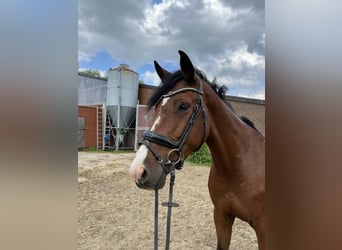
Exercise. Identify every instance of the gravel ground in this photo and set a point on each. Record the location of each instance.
(114, 214)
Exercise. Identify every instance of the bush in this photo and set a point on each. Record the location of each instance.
(201, 156)
(90, 149)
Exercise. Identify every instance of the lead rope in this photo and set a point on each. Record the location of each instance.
(159, 139)
(169, 205)
(156, 219)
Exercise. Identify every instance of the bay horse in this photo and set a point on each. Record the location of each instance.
(237, 175)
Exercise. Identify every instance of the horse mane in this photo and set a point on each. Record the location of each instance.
(248, 122)
(168, 83)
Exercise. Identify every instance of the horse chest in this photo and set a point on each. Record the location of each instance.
(230, 194)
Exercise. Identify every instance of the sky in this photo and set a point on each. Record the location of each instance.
(223, 38)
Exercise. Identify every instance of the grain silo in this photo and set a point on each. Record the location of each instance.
(121, 102)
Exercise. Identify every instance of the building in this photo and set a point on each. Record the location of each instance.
(112, 114)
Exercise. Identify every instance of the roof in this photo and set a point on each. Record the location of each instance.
(123, 67)
(94, 77)
(227, 97)
(244, 99)
(147, 86)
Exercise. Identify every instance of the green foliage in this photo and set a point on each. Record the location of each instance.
(90, 149)
(91, 72)
(123, 131)
(201, 156)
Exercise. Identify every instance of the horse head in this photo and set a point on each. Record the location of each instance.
(179, 127)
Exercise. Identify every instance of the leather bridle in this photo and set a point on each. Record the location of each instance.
(176, 146)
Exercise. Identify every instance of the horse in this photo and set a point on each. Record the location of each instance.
(190, 111)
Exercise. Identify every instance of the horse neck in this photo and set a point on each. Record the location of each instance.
(226, 133)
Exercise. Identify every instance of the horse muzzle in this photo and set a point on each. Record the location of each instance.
(144, 179)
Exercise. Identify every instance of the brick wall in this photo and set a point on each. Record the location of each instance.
(145, 92)
(254, 112)
(93, 125)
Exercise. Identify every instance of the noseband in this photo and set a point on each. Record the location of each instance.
(176, 146)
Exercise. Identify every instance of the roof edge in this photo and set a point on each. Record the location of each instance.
(244, 99)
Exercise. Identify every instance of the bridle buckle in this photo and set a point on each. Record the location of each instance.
(171, 152)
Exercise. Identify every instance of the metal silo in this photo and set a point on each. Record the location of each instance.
(122, 96)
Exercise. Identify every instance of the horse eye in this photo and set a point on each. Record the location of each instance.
(183, 106)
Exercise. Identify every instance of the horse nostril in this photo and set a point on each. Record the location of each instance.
(141, 175)
(144, 177)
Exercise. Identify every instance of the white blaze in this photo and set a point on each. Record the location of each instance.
(141, 154)
(164, 101)
(156, 122)
(138, 159)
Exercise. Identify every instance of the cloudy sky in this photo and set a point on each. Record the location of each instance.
(223, 38)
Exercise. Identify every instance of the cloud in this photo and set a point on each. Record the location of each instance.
(151, 78)
(82, 56)
(225, 39)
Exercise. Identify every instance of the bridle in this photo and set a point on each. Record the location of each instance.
(176, 148)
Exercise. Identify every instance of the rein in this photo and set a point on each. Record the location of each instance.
(176, 149)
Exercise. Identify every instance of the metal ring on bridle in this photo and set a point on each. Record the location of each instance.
(180, 156)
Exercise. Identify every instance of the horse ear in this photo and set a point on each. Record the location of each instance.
(162, 73)
(187, 67)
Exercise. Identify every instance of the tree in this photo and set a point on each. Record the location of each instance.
(90, 72)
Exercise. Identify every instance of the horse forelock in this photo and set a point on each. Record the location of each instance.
(165, 86)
